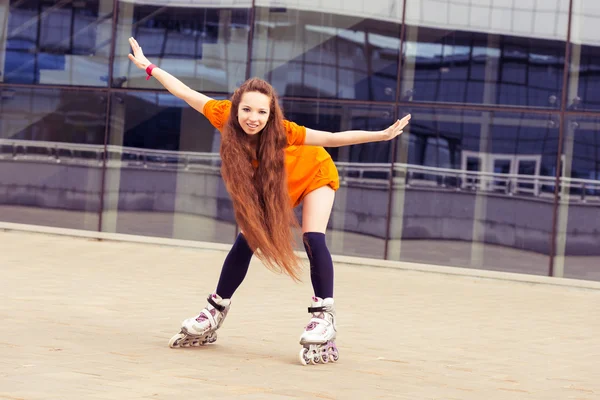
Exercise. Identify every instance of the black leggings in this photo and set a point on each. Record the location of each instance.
(237, 262)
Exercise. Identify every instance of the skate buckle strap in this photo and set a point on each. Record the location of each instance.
(213, 303)
(315, 309)
(209, 316)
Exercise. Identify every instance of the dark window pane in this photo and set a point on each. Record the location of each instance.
(51, 155)
(584, 66)
(475, 189)
(481, 54)
(578, 240)
(58, 43)
(204, 47)
(335, 54)
(163, 173)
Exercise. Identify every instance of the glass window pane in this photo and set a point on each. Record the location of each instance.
(584, 73)
(358, 221)
(338, 53)
(475, 189)
(206, 46)
(578, 236)
(163, 172)
(486, 53)
(57, 43)
(51, 156)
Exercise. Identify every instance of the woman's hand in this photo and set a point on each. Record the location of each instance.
(396, 129)
(138, 57)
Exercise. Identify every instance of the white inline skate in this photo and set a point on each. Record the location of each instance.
(318, 338)
(202, 329)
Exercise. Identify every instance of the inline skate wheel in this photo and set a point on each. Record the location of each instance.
(176, 340)
(303, 356)
(334, 355)
(212, 338)
(315, 358)
(324, 355)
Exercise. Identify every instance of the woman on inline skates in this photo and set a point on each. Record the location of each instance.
(269, 166)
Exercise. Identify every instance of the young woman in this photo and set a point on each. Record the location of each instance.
(269, 166)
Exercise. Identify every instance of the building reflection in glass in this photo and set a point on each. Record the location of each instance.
(314, 54)
(87, 142)
(163, 172)
(59, 43)
(475, 189)
(51, 156)
(578, 227)
(204, 46)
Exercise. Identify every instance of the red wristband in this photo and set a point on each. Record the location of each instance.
(149, 69)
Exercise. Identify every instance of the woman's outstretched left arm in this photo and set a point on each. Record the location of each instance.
(346, 138)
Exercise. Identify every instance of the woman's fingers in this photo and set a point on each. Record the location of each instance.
(133, 59)
(137, 57)
(398, 129)
(404, 121)
(394, 130)
(135, 46)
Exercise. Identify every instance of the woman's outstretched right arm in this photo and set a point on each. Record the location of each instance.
(177, 88)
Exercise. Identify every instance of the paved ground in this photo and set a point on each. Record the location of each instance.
(83, 319)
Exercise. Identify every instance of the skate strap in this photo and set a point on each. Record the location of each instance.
(315, 309)
(209, 316)
(213, 303)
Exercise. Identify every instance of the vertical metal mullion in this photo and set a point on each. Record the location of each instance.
(37, 43)
(250, 41)
(561, 133)
(395, 142)
(111, 59)
(72, 30)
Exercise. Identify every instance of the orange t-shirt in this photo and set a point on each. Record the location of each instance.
(308, 167)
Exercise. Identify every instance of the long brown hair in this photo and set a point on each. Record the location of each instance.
(260, 196)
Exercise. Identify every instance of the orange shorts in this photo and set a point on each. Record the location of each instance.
(327, 175)
(312, 170)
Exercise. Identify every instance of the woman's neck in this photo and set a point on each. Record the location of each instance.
(254, 140)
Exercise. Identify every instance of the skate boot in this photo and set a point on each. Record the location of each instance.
(202, 329)
(318, 339)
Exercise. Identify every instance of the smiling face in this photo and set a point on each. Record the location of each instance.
(253, 112)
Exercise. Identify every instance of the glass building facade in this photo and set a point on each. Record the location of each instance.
(499, 168)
